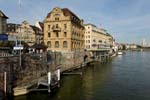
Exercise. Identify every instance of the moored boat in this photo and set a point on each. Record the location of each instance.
(120, 52)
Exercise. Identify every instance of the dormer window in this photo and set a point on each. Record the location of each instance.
(57, 15)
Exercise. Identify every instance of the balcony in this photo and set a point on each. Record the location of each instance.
(56, 29)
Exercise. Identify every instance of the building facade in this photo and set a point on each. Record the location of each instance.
(97, 38)
(63, 30)
(25, 32)
(3, 22)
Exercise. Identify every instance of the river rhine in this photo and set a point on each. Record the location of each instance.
(125, 77)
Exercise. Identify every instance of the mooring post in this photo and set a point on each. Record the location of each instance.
(58, 74)
(58, 77)
(49, 82)
(5, 84)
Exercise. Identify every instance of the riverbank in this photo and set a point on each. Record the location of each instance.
(34, 68)
(119, 79)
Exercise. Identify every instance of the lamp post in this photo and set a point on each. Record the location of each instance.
(20, 47)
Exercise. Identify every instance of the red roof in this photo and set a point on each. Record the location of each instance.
(66, 12)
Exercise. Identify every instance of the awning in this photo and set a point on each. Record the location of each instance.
(3, 37)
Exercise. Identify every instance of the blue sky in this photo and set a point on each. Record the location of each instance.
(127, 20)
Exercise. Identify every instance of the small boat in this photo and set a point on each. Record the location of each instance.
(120, 52)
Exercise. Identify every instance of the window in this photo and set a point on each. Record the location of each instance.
(57, 19)
(56, 44)
(57, 35)
(49, 44)
(56, 25)
(65, 26)
(49, 34)
(65, 34)
(49, 26)
(65, 44)
(100, 41)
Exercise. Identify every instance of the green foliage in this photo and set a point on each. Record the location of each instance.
(7, 44)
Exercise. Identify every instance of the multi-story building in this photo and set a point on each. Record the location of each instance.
(3, 22)
(39, 32)
(63, 30)
(25, 32)
(97, 38)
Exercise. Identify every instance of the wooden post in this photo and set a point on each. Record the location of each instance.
(58, 77)
(5, 83)
(58, 74)
(49, 82)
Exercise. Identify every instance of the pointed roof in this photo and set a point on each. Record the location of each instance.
(3, 15)
(39, 25)
(42, 25)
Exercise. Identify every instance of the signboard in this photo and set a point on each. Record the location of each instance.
(18, 48)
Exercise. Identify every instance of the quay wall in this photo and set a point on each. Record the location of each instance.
(36, 66)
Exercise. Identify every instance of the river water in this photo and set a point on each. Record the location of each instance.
(125, 77)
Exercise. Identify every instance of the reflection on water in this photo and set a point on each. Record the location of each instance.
(126, 77)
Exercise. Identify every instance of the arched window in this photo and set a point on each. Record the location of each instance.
(49, 34)
(65, 44)
(56, 44)
(49, 44)
(65, 34)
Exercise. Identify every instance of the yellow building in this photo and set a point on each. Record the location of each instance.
(30, 34)
(63, 30)
(97, 38)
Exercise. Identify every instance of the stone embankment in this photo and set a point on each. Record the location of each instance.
(36, 66)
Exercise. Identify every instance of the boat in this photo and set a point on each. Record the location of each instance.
(120, 52)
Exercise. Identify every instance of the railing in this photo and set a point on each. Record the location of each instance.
(56, 29)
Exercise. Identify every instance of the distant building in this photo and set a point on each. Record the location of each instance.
(63, 30)
(145, 43)
(3, 22)
(97, 38)
(12, 29)
(133, 46)
(130, 46)
(25, 32)
(39, 29)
